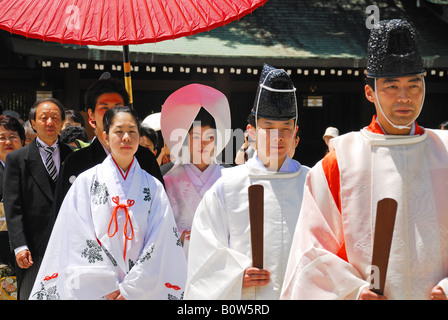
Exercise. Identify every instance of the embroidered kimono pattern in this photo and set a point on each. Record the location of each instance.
(113, 233)
(185, 189)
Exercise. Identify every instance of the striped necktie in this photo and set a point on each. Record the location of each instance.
(49, 163)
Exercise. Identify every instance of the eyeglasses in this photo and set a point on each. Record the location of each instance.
(10, 138)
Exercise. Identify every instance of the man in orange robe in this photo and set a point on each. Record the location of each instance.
(393, 157)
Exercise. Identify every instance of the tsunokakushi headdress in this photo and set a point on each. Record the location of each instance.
(181, 108)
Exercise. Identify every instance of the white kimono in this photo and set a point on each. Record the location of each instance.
(410, 169)
(186, 185)
(220, 247)
(113, 233)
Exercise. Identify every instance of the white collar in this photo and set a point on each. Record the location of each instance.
(257, 170)
(285, 167)
(54, 145)
(411, 133)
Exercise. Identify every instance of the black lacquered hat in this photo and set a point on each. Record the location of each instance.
(393, 51)
(276, 97)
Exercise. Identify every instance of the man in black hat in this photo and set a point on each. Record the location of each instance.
(220, 262)
(393, 157)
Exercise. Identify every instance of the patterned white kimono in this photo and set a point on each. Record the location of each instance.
(185, 186)
(113, 231)
(220, 247)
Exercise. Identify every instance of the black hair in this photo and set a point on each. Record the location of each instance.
(32, 114)
(205, 119)
(71, 133)
(149, 132)
(76, 116)
(11, 123)
(104, 86)
(251, 119)
(370, 82)
(110, 114)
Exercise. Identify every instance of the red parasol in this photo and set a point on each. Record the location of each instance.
(118, 22)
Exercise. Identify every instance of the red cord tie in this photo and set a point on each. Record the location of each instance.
(170, 286)
(48, 278)
(125, 207)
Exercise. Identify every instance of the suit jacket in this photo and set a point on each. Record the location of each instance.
(2, 170)
(86, 158)
(28, 195)
(5, 253)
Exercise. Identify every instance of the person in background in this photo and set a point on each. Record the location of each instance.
(330, 133)
(31, 173)
(12, 137)
(14, 114)
(247, 149)
(75, 136)
(30, 134)
(73, 118)
(148, 138)
(164, 158)
(443, 125)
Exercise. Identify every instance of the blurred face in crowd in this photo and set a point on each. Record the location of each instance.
(275, 138)
(30, 135)
(201, 142)
(145, 142)
(69, 122)
(400, 99)
(9, 141)
(48, 122)
(327, 140)
(104, 102)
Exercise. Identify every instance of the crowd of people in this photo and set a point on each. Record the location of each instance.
(137, 214)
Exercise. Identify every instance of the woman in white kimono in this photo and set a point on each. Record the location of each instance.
(115, 236)
(195, 139)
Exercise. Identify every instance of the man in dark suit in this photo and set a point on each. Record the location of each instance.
(29, 176)
(101, 96)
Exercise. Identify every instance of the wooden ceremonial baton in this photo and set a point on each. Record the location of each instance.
(384, 228)
(256, 213)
